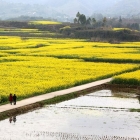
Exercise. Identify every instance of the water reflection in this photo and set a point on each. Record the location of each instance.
(72, 136)
(12, 119)
(138, 98)
(93, 116)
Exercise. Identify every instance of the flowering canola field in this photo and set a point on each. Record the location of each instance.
(34, 66)
(130, 78)
(45, 22)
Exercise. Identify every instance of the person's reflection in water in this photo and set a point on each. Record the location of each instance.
(14, 119)
(10, 119)
(138, 98)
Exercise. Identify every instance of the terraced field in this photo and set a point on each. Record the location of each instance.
(36, 65)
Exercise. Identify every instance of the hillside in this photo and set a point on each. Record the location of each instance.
(63, 10)
(126, 8)
(12, 10)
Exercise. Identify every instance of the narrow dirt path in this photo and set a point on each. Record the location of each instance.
(39, 98)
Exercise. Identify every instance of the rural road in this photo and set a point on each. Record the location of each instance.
(51, 95)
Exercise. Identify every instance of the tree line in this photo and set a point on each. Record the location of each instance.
(120, 22)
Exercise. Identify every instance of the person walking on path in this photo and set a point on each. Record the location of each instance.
(10, 99)
(14, 99)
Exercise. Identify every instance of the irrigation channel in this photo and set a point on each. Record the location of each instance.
(101, 115)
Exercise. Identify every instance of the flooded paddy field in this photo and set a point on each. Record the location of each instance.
(101, 115)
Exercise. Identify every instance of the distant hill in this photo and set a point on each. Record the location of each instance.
(125, 8)
(67, 9)
(12, 10)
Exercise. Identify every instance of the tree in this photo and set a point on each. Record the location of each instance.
(93, 20)
(135, 26)
(104, 21)
(88, 22)
(78, 15)
(82, 19)
(75, 20)
(120, 20)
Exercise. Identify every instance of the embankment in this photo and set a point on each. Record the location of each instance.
(30, 107)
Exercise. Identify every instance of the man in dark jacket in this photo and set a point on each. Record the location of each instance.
(14, 99)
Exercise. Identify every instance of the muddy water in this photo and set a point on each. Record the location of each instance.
(99, 115)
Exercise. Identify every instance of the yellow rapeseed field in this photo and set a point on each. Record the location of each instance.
(74, 48)
(33, 66)
(28, 76)
(130, 78)
(118, 29)
(44, 22)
